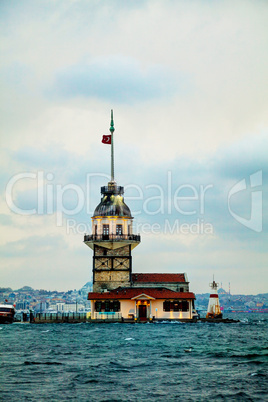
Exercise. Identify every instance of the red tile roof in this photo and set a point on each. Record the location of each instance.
(130, 293)
(158, 278)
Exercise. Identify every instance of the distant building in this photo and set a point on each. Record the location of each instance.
(22, 305)
(41, 307)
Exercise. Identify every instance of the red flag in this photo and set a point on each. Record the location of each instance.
(106, 139)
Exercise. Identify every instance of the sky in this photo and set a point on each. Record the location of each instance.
(187, 82)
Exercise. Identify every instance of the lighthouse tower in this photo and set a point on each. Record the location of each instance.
(112, 239)
(214, 310)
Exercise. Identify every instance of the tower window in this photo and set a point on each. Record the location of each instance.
(119, 229)
(105, 229)
(96, 229)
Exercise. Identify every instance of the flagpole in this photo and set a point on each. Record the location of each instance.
(112, 146)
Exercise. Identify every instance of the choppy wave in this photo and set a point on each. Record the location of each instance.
(121, 362)
(27, 363)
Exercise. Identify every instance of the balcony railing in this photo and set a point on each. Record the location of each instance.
(112, 237)
(107, 315)
(60, 317)
(112, 189)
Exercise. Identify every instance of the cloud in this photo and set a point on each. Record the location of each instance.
(118, 79)
(186, 82)
(32, 246)
(154, 195)
(5, 220)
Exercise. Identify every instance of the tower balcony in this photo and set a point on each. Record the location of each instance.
(112, 189)
(112, 241)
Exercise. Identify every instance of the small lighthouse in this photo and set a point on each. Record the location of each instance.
(214, 310)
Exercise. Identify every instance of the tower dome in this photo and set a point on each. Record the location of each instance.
(112, 202)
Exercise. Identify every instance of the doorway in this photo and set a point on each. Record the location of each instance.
(143, 312)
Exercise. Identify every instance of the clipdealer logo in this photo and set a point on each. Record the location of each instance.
(53, 199)
(151, 200)
(255, 221)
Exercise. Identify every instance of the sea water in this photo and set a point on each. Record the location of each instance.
(136, 362)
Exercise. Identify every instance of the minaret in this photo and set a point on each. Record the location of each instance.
(214, 310)
(112, 238)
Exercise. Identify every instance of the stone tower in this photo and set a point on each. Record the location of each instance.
(112, 239)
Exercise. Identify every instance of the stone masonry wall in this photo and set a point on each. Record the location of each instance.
(105, 278)
(121, 251)
(110, 280)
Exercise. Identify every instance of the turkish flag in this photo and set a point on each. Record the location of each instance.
(106, 139)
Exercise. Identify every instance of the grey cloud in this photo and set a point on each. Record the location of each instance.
(184, 172)
(32, 246)
(5, 220)
(119, 79)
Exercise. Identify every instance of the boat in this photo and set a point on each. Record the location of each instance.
(7, 313)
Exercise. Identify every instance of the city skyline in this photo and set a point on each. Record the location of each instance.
(187, 86)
